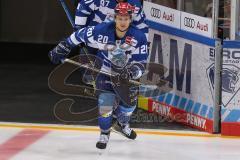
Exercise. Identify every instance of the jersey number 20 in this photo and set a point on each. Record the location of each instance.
(102, 39)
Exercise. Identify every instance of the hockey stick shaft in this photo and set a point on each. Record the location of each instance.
(70, 18)
(97, 70)
(86, 67)
(68, 13)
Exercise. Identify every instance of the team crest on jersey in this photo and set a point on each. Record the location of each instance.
(118, 52)
(118, 57)
(230, 81)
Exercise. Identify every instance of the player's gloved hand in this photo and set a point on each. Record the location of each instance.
(134, 71)
(60, 52)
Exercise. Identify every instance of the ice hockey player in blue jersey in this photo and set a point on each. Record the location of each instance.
(123, 48)
(93, 12)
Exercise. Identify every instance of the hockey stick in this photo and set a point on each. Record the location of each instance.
(70, 18)
(69, 15)
(113, 74)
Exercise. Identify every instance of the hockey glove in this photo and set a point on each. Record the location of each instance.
(60, 52)
(134, 71)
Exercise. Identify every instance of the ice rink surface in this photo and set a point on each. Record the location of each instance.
(36, 143)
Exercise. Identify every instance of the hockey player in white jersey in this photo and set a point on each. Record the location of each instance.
(123, 48)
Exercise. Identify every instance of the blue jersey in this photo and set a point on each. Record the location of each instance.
(93, 12)
(114, 51)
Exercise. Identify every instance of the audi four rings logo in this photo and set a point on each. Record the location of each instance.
(189, 22)
(155, 12)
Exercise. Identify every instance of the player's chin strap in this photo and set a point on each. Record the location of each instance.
(122, 30)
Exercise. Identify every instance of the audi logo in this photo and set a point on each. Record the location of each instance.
(155, 12)
(189, 22)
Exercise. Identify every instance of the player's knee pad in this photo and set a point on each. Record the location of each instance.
(106, 102)
(124, 113)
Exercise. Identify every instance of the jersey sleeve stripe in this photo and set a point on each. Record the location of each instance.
(80, 20)
(73, 39)
(141, 26)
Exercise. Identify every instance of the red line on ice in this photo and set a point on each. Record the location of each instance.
(20, 142)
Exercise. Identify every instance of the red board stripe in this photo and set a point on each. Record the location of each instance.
(181, 116)
(20, 142)
(230, 128)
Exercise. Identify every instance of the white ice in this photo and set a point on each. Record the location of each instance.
(80, 145)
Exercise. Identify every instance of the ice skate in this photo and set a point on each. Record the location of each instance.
(125, 130)
(103, 140)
